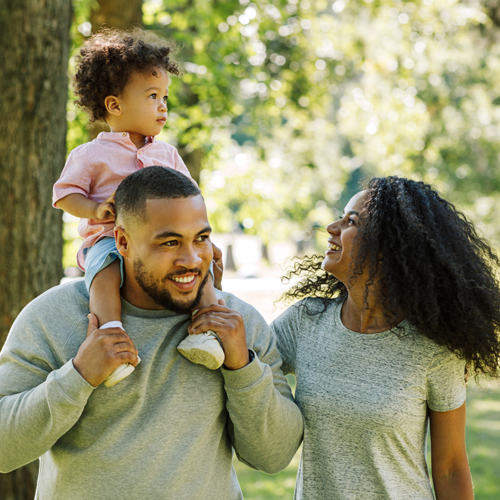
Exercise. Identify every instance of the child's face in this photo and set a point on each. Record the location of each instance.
(143, 104)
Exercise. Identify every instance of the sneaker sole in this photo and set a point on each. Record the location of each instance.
(201, 357)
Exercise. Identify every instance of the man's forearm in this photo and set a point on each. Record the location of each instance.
(267, 424)
(32, 421)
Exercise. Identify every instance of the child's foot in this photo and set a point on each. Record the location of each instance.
(203, 349)
(122, 371)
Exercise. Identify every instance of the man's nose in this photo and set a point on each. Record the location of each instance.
(189, 258)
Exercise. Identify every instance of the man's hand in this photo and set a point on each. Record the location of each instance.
(229, 327)
(102, 352)
(218, 267)
(106, 209)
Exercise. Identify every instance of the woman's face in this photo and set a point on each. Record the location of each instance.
(339, 255)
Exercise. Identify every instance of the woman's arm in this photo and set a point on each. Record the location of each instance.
(450, 466)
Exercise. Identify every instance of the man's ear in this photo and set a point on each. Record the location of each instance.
(122, 241)
(112, 105)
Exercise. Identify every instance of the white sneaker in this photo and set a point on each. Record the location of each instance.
(203, 349)
(120, 373)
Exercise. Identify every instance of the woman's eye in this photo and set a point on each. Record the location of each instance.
(351, 222)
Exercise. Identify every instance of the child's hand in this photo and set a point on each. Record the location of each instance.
(106, 209)
(218, 267)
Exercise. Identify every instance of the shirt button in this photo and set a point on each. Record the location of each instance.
(124, 134)
(139, 153)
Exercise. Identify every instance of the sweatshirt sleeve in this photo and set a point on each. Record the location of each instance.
(39, 401)
(266, 425)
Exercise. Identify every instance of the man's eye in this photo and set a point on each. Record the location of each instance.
(170, 243)
(203, 238)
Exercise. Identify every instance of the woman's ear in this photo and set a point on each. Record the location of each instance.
(112, 105)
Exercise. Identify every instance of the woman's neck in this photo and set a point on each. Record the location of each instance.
(372, 319)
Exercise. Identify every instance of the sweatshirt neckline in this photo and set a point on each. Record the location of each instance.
(130, 310)
(341, 328)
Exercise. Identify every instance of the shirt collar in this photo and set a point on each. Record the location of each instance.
(122, 136)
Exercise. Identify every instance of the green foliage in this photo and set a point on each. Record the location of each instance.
(290, 103)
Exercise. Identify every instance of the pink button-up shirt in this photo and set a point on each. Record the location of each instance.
(95, 169)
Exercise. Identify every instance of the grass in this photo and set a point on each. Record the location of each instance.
(483, 447)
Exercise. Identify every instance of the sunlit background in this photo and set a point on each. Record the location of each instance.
(285, 107)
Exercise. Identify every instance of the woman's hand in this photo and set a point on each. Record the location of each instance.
(450, 466)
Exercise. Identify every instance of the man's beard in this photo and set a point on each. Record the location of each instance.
(160, 295)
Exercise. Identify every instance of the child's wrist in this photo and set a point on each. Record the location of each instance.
(96, 210)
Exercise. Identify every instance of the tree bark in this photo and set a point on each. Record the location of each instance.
(34, 37)
(116, 14)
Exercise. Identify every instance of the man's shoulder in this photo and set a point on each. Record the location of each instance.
(54, 313)
(234, 302)
(257, 329)
(59, 302)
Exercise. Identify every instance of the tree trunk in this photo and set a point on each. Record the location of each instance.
(116, 14)
(34, 37)
(113, 14)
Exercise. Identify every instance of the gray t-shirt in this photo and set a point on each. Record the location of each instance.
(365, 400)
(167, 431)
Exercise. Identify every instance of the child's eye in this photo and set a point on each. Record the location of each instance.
(153, 96)
(165, 99)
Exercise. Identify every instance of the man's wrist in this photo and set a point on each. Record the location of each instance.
(250, 358)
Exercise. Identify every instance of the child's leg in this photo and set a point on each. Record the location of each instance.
(204, 348)
(104, 293)
(209, 296)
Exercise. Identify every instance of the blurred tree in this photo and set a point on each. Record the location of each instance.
(34, 37)
(286, 105)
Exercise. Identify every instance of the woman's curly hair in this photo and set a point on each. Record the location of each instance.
(107, 59)
(433, 266)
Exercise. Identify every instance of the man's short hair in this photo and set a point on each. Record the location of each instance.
(151, 183)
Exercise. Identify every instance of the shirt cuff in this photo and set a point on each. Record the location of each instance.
(245, 377)
(72, 384)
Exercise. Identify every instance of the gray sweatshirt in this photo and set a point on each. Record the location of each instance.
(165, 432)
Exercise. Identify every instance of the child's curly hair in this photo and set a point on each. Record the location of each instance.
(107, 59)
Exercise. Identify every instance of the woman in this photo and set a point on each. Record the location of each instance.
(401, 308)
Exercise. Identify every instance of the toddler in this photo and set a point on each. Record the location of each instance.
(122, 78)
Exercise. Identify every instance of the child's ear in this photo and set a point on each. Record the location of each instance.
(112, 105)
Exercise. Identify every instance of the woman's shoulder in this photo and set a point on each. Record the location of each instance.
(309, 310)
(318, 305)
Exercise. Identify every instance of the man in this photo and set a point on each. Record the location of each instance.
(167, 430)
